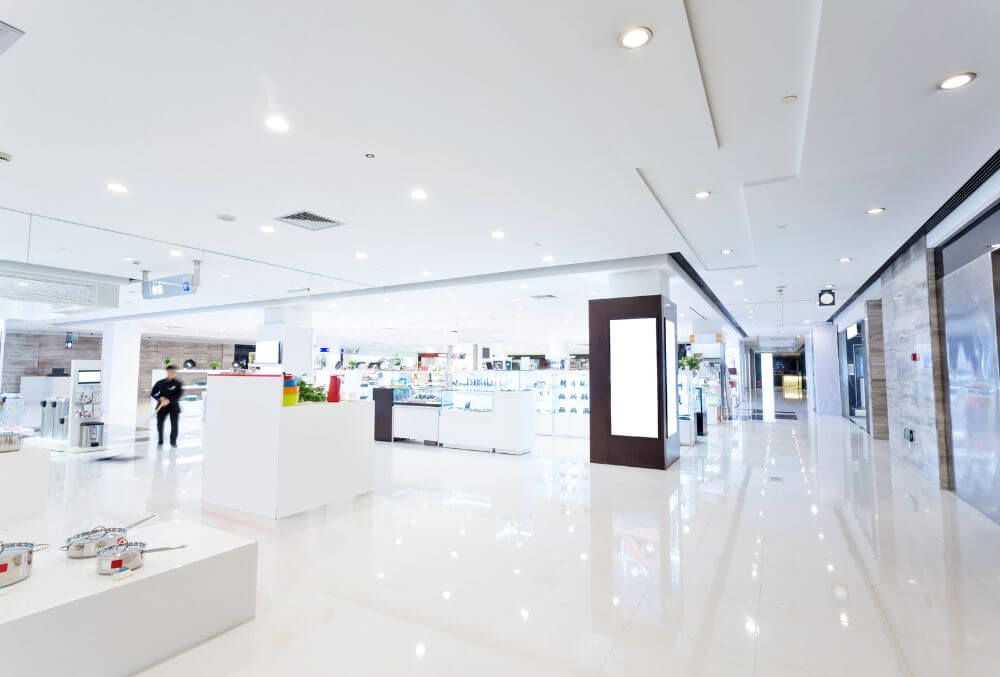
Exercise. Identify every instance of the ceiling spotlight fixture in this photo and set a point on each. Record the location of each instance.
(702, 194)
(176, 252)
(370, 156)
(277, 123)
(727, 252)
(875, 210)
(267, 229)
(791, 98)
(5, 157)
(956, 81)
(738, 283)
(845, 259)
(360, 256)
(636, 37)
(548, 258)
(228, 218)
(418, 194)
(827, 298)
(131, 260)
(117, 187)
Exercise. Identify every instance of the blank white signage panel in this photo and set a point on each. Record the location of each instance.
(634, 406)
(670, 341)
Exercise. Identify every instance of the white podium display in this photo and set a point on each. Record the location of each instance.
(67, 619)
(509, 428)
(276, 461)
(25, 477)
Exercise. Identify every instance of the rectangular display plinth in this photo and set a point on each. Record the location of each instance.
(67, 619)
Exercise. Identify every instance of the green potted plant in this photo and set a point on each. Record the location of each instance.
(311, 393)
(215, 364)
(691, 363)
(166, 362)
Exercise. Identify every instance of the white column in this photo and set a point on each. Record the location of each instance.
(120, 377)
(824, 381)
(292, 325)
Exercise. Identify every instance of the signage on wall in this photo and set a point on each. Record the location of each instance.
(852, 331)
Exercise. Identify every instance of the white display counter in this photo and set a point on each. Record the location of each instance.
(276, 461)
(25, 476)
(67, 619)
(509, 428)
(416, 422)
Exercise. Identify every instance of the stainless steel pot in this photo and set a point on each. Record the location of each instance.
(126, 556)
(88, 543)
(15, 561)
(9, 441)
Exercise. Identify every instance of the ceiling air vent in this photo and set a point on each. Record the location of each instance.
(309, 221)
(31, 288)
(544, 297)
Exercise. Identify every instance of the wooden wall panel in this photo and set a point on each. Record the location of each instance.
(36, 354)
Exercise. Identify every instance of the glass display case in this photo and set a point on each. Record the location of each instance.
(492, 381)
(570, 392)
(417, 394)
(467, 400)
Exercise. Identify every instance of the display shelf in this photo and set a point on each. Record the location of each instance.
(57, 616)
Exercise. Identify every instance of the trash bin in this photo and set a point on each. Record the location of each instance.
(91, 434)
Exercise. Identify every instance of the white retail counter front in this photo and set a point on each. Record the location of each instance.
(503, 422)
(276, 461)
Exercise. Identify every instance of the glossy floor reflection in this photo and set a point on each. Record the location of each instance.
(771, 548)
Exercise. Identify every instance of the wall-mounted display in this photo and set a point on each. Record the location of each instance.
(633, 367)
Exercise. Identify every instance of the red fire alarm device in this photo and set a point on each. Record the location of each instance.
(913, 356)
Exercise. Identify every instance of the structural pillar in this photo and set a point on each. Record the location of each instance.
(120, 392)
(292, 326)
(633, 373)
(823, 370)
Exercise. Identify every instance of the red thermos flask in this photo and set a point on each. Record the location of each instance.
(333, 392)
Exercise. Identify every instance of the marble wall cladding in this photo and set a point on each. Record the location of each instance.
(911, 391)
(878, 415)
(942, 415)
(36, 354)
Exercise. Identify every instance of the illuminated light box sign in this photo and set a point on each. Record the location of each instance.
(165, 287)
(633, 371)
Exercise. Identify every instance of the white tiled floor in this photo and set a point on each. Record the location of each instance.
(786, 548)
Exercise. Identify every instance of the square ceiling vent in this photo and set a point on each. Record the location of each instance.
(309, 221)
(47, 290)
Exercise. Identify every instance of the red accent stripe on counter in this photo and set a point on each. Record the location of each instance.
(250, 375)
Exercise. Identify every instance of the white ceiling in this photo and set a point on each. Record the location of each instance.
(522, 116)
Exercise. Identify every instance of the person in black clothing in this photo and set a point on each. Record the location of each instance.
(167, 392)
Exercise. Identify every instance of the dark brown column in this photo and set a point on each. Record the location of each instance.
(642, 452)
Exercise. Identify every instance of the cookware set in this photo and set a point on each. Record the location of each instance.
(109, 546)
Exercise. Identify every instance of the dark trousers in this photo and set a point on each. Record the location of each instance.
(174, 412)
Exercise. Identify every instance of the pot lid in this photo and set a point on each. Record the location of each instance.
(122, 549)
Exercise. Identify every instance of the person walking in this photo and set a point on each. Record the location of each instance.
(167, 393)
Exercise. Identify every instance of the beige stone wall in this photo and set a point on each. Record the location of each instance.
(153, 350)
(36, 354)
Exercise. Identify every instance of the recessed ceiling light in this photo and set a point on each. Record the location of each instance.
(523, 286)
(828, 286)
(129, 259)
(875, 210)
(176, 252)
(117, 187)
(956, 81)
(370, 156)
(727, 252)
(497, 234)
(791, 98)
(276, 123)
(228, 218)
(267, 229)
(746, 300)
(548, 258)
(738, 283)
(425, 273)
(845, 259)
(636, 37)
(418, 194)
(361, 256)
(226, 275)
(702, 194)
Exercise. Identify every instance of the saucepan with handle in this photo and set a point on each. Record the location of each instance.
(15, 561)
(89, 543)
(126, 556)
